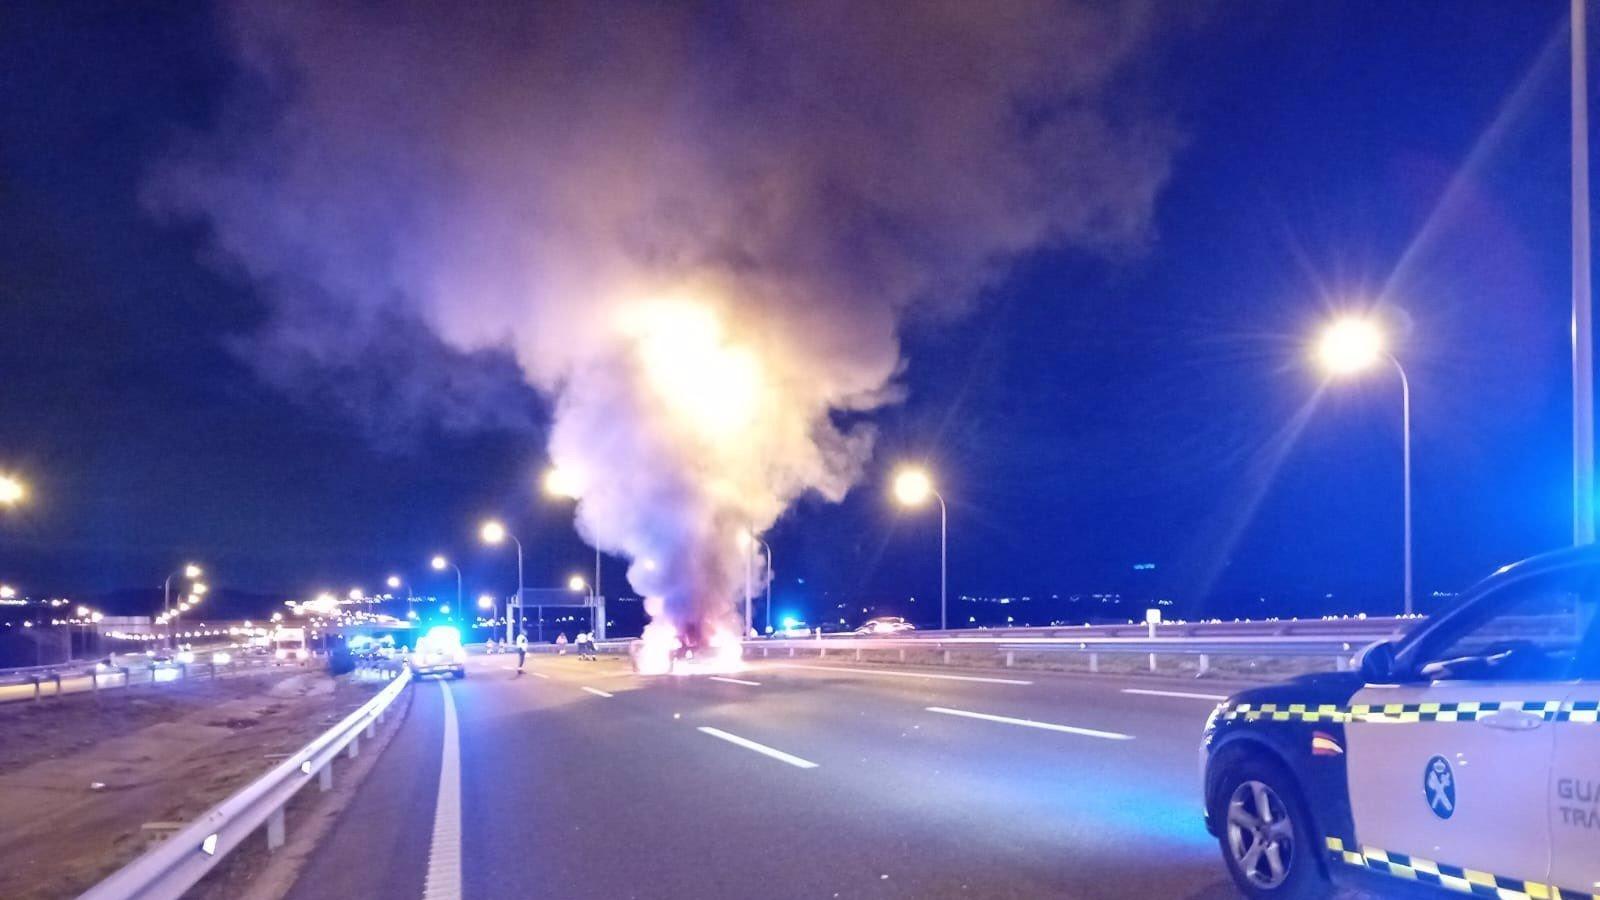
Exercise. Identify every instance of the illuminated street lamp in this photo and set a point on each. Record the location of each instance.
(12, 490)
(189, 571)
(394, 582)
(562, 483)
(493, 532)
(913, 487)
(1353, 345)
(7, 592)
(577, 585)
(439, 564)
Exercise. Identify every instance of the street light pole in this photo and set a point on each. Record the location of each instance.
(519, 590)
(493, 532)
(560, 482)
(1405, 445)
(188, 570)
(1582, 299)
(1352, 345)
(913, 487)
(768, 548)
(944, 531)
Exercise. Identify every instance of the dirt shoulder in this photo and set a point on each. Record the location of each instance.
(82, 776)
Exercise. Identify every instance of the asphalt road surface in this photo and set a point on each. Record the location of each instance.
(580, 780)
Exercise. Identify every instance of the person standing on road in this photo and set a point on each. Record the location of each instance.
(583, 645)
(522, 650)
(561, 644)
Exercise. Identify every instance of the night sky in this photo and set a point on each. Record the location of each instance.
(1089, 414)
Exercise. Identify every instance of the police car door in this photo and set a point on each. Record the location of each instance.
(1449, 771)
(1575, 776)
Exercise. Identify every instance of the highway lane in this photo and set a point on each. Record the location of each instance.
(790, 781)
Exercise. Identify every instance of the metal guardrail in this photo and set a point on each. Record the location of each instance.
(1338, 640)
(101, 675)
(179, 862)
(1343, 627)
(1341, 648)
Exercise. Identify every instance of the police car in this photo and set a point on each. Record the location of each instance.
(1463, 758)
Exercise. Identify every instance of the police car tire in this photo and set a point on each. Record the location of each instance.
(1306, 880)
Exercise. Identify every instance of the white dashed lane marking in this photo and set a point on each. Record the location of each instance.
(897, 673)
(734, 680)
(1031, 723)
(597, 692)
(1185, 694)
(762, 749)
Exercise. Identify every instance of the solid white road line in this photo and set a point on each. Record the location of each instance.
(1185, 694)
(762, 749)
(596, 691)
(1030, 723)
(896, 673)
(444, 851)
(734, 680)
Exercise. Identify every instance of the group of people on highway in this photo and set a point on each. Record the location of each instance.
(584, 642)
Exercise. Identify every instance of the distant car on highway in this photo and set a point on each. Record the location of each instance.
(885, 625)
(439, 652)
(1462, 758)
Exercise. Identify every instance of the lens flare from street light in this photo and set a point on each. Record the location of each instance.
(438, 563)
(394, 581)
(485, 601)
(912, 487)
(492, 532)
(576, 583)
(562, 482)
(12, 490)
(1350, 345)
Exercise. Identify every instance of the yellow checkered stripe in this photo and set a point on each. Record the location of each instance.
(1453, 878)
(1580, 711)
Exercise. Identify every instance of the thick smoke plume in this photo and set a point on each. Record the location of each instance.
(695, 226)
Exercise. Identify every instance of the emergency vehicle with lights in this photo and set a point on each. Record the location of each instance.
(1460, 759)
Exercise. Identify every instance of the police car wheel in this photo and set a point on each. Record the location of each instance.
(1266, 836)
